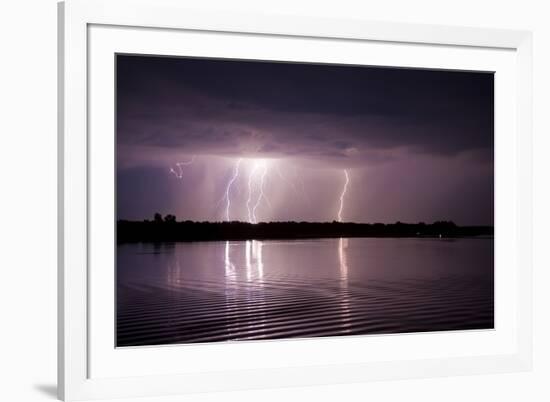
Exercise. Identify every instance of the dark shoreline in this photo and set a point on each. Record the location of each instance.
(169, 230)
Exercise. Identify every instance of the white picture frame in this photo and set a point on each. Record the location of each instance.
(77, 331)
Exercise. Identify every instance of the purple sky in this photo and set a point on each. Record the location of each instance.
(417, 145)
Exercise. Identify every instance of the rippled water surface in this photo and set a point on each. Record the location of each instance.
(239, 290)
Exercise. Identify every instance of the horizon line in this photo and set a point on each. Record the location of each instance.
(300, 222)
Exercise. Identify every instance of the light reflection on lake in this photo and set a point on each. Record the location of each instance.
(238, 290)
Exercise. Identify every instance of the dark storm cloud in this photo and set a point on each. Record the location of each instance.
(352, 114)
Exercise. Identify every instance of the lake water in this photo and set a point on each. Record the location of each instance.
(244, 290)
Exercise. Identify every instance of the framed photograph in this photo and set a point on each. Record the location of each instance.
(252, 201)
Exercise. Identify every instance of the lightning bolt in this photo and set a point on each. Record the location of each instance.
(250, 218)
(179, 173)
(256, 187)
(228, 189)
(261, 196)
(343, 195)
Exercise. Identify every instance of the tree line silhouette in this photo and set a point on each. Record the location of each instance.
(168, 229)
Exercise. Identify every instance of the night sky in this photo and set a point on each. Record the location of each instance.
(415, 145)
